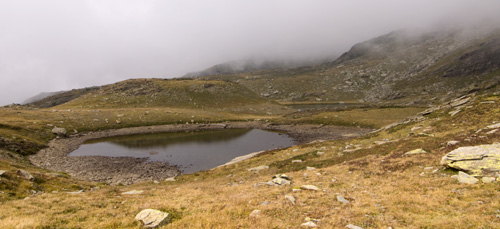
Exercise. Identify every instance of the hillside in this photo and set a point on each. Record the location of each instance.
(400, 68)
(408, 99)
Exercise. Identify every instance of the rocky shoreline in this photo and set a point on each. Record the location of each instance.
(127, 170)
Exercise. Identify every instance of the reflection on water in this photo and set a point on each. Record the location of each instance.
(192, 151)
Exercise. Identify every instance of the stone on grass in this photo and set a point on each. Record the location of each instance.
(2, 172)
(254, 214)
(297, 161)
(493, 126)
(482, 160)
(25, 175)
(59, 131)
(465, 178)
(488, 180)
(492, 131)
(310, 168)
(350, 226)
(452, 143)
(290, 198)
(309, 224)
(171, 179)
(152, 218)
(258, 168)
(280, 181)
(415, 151)
(309, 187)
(342, 199)
(133, 192)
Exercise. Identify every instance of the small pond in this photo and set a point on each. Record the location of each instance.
(321, 106)
(191, 151)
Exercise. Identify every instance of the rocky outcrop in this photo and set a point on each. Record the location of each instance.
(59, 131)
(25, 175)
(476, 160)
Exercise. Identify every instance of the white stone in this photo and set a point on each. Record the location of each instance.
(258, 168)
(133, 192)
(152, 218)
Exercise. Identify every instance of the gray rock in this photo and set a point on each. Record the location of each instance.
(494, 126)
(265, 203)
(290, 198)
(342, 199)
(25, 175)
(297, 161)
(309, 224)
(283, 176)
(465, 178)
(281, 181)
(59, 131)
(415, 151)
(255, 213)
(310, 168)
(133, 192)
(492, 131)
(2, 172)
(488, 180)
(258, 168)
(350, 226)
(152, 218)
(170, 179)
(479, 160)
(453, 113)
(459, 101)
(309, 187)
(452, 143)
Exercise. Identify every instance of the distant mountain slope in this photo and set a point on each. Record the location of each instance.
(40, 96)
(401, 68)
(250, 65)
(58, 98)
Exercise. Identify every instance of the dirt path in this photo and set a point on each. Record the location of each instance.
(127, 170)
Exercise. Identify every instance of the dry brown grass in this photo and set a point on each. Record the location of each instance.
(384, 188)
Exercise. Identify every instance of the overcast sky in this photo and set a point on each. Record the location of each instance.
(54, 45)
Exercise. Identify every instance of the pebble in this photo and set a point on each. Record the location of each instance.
(342, 199)
(309, 187)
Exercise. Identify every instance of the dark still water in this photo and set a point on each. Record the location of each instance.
(191, 151)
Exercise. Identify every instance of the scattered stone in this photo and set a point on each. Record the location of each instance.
(493, 126)
(77, 192)
(156, 182)
(281, 181)
(350, 226)
(415, 151)
(118, 122)
(170, 179)
(488, 180)
(465, 178)
(59, 131)
(453, 113)
(452, 143)
(492, 131)
(342, 199)
(309, 187)
(266, 202)
(295, 150)
(422, 174)
(310, 168)
(459, 101)
(133, 192)
(25, 175)
(283, 176)
(152, 218)
(296, 190)
(255, 214)
(2, 172)
(297, 161)
(476, 160)
(290, 198)
(309, 224)
(454, 177)
(428, 168)
(320, 153)
(258, 168)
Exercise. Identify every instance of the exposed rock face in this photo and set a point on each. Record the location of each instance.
(476, 160)
(152, 218)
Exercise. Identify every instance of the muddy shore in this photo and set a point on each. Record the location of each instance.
(127, 170)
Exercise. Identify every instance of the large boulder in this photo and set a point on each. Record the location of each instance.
(152, 218)
(479, 160)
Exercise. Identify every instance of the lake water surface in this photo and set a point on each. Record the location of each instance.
(191, 151)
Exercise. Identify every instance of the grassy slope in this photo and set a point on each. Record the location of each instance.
(384, 187)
